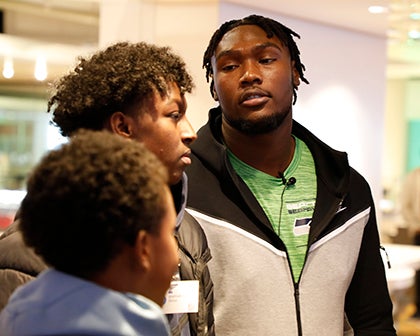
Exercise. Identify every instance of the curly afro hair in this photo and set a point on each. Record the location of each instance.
(112, 80)
(89, 197)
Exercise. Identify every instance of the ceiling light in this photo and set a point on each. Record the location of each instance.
(8, 70)
(377, 9)
(414, 34)
(40, 68)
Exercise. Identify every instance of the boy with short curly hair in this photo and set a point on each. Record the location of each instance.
(99, 211)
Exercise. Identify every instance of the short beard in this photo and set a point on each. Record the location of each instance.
(262, 126)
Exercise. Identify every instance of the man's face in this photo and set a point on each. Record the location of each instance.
(163, 127)
(253, 79)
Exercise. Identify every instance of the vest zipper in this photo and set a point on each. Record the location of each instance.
(296, 284)
(297, 305)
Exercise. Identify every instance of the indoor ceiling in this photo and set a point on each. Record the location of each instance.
(396, 22)
(61, 29)
(67, 28)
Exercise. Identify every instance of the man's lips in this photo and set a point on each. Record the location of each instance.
(253, 97)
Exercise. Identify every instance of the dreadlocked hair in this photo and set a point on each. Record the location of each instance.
(272, 28)
(112, 80)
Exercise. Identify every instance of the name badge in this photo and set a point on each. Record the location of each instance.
(182, 297)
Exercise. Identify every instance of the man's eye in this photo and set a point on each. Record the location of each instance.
(229, 67)
(267, 60)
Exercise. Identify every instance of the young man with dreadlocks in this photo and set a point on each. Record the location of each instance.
(135, 90)
(291, 225)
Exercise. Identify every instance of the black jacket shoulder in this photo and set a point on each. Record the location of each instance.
(18, 263)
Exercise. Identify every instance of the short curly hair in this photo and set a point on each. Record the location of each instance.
(112, 80)
(88, 198)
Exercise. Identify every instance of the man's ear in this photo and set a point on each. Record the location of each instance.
(213, 91)
(144, 250)
(121, 124)
(214, 94)
(295, 76)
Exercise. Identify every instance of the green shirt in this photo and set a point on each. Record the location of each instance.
(288, 207)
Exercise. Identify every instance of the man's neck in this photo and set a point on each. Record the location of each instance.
(271, 152)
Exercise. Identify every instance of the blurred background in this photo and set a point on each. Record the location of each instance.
(362, 59)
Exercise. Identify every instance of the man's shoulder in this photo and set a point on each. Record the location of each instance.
(11, 229)
(191, 229)
(18, 263)
(11, 239)
(192, 238)
(15, 255)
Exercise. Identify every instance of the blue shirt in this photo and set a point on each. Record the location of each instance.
(57, 303)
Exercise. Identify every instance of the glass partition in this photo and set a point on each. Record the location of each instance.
(25, 135)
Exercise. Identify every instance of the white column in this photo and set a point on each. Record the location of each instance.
(126, 20)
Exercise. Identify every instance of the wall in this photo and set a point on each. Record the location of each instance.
(412, 117)
(395, 141)
(402, 107)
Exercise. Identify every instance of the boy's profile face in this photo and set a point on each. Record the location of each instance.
(162, 125)
(164, 256)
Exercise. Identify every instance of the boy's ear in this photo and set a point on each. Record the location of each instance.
(144, 250)
(120, 124)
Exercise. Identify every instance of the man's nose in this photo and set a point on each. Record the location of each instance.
(251, 73)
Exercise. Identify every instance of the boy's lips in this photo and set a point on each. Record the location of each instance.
(186, 159)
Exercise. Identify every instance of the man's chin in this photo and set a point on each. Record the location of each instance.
(259, 125)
